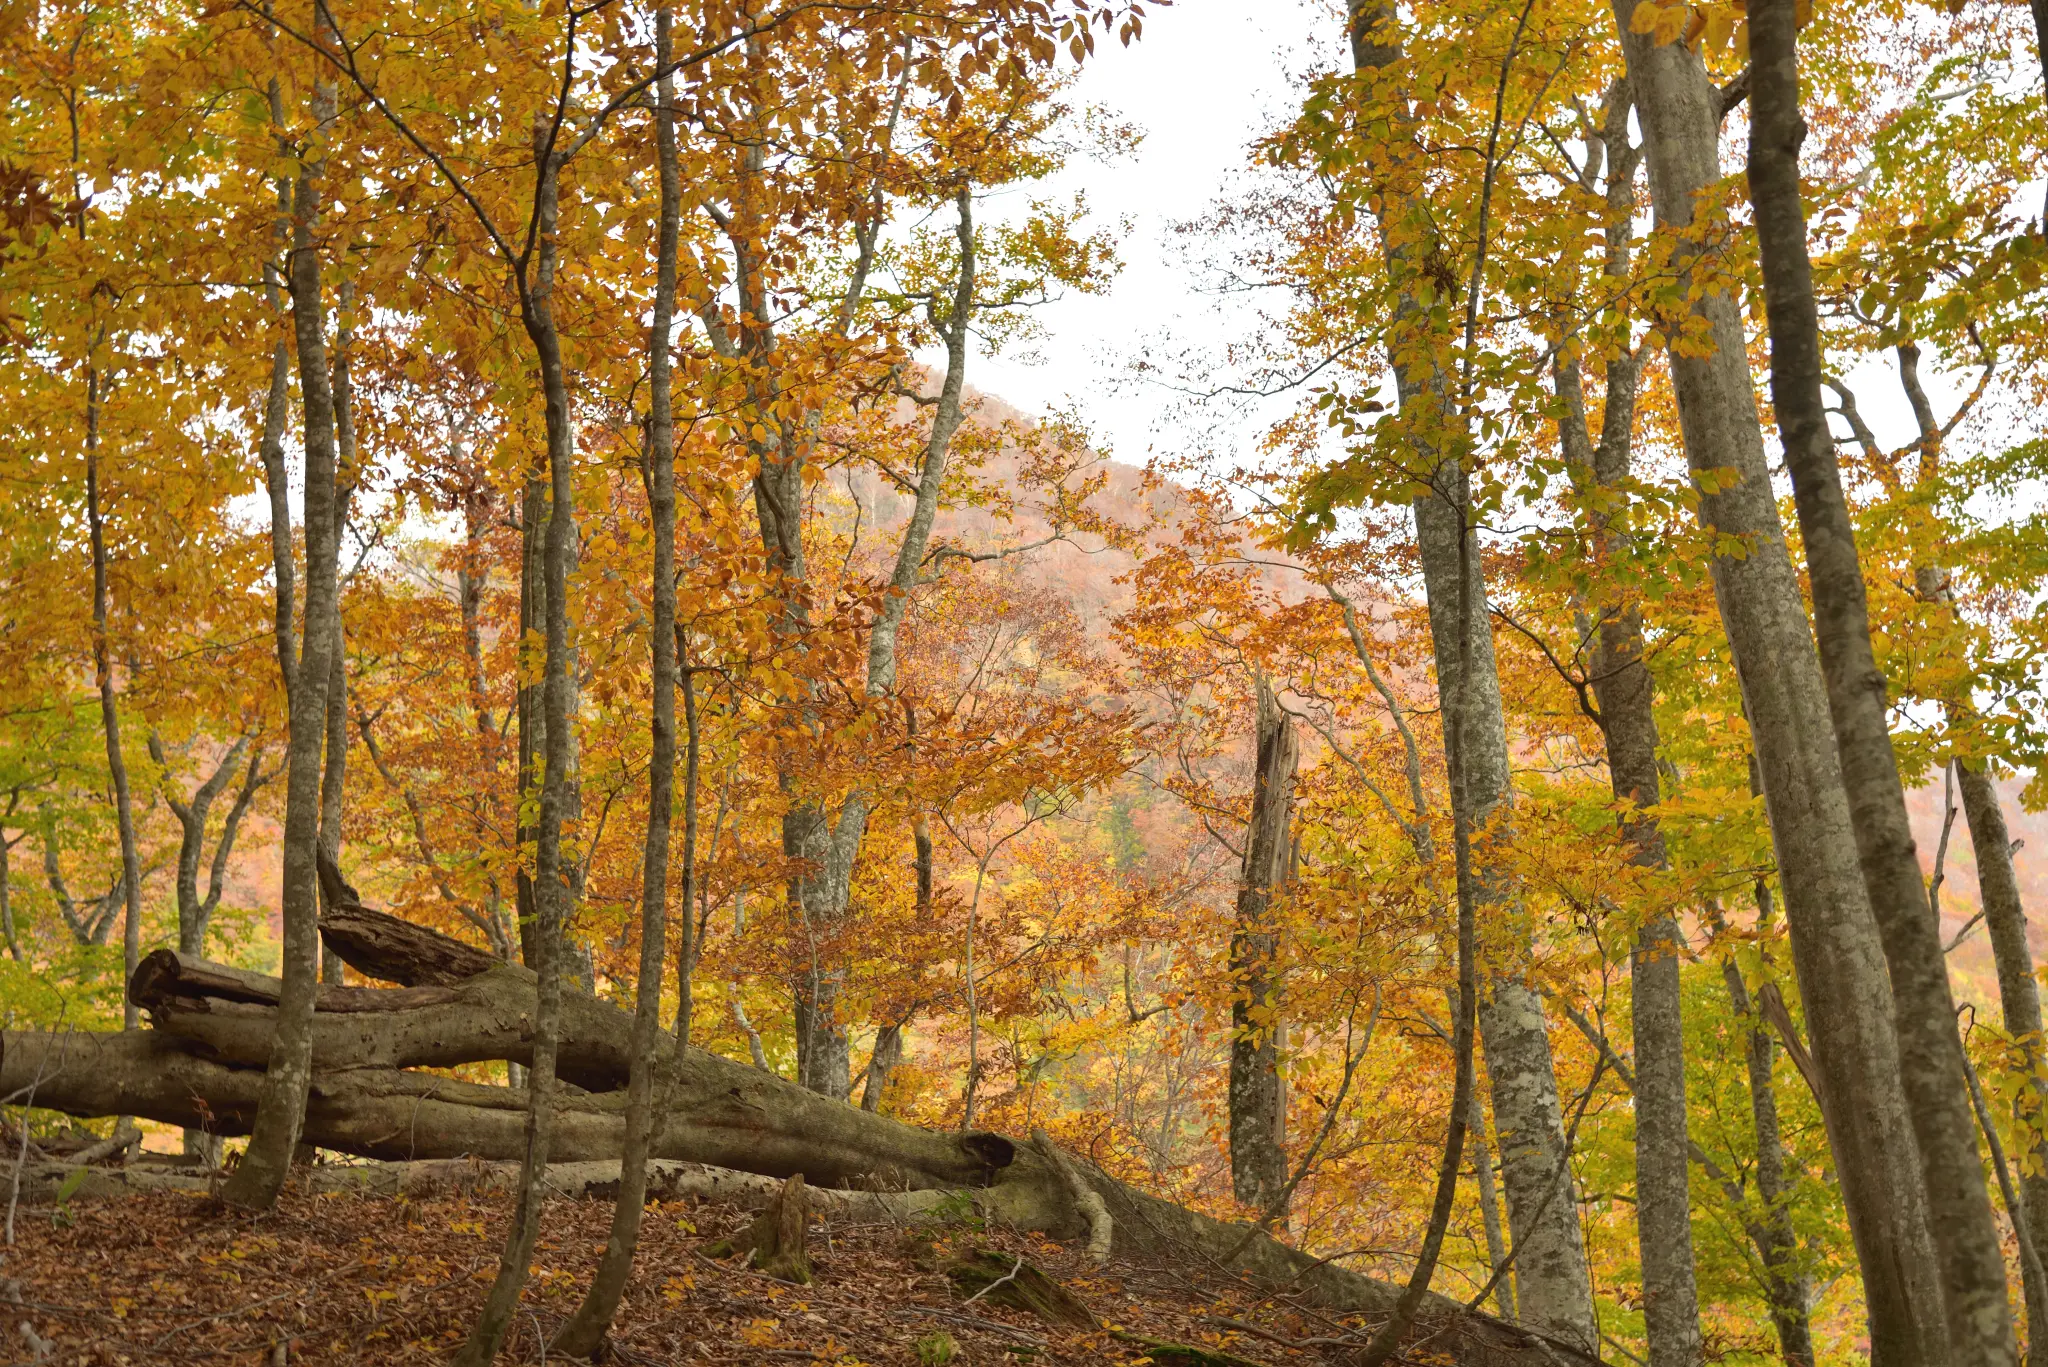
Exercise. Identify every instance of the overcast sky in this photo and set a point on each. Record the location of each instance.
(1204, 81)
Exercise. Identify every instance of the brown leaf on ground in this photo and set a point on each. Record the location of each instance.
(172, 1278)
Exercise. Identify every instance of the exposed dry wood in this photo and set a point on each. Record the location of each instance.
(778, 1242)
(1006, 1279)
(383, 947)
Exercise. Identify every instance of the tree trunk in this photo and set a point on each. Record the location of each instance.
(1931, 1059)
(1625, 690)
(1785, 1287)
(1489, 1208)
(273, 1140)
(1554, 1285)
(334, 774)
(882, 1061)
(103, 679)
(1258, 1154)
(1836, 949)
(533, 523)
(553, 892)
(585, 1332)
(2019, 996)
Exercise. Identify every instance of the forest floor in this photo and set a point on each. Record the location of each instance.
(173, 1278)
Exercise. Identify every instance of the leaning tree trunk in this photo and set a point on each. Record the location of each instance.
(1258, 1154)
(1553, 1281)
(274, 1139)
(1836, 949)
(1931, 1062)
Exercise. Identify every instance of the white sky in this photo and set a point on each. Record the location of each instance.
(1206, 79)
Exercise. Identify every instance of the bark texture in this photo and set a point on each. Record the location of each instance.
(1258, 1153)
(1931, 1062)
(585, 1332)
(1836, 948)
(274, 1139)
(552, 885)
(2019, 996)
(1553, 1284)
(1786, 1288)
(103, 680)
(1626, 693)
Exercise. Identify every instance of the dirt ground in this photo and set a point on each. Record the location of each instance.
(170, 1278)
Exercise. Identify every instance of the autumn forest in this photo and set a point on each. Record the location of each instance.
(576, 784)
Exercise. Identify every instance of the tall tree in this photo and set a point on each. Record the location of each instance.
(260, 1176)
(586, 1329)
(1930, 1051)
(1554, 1289)
(1837, 952)
(1622, 683)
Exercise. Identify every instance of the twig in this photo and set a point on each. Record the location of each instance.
(1015, 1268)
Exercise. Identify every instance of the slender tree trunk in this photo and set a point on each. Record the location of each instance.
(7, 899)
(686, 952)
(2019, 995)
(820, 1037)
(1628, 724)
(103, 678)
(274, 1138)
(1785, 1287)
(1836, 949)
(533, 526)
(1258, 1155)
(1930, 1050)
(193, 910)
(551, 883)
(584, 1334)
(1489, 1208)
(1553, 1281)
(334, 776)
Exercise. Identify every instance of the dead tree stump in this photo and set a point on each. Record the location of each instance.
(776, 1242)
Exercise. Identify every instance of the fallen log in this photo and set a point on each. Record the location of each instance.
(723, 1114)
(389, 1114)
(44, 1181)
(203, 1067)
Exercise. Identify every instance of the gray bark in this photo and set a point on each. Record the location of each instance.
(1836, 949)
(1786, 1288)
(1622, 684)
(1258, 1154)
(274, 1138)
(1489, 1208)
(585, 1332)
(2019, 995)
(1553, 1282)
(334, 774)
(552, 883)
(195, 911)
(1931, 1062)
(103, 679)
